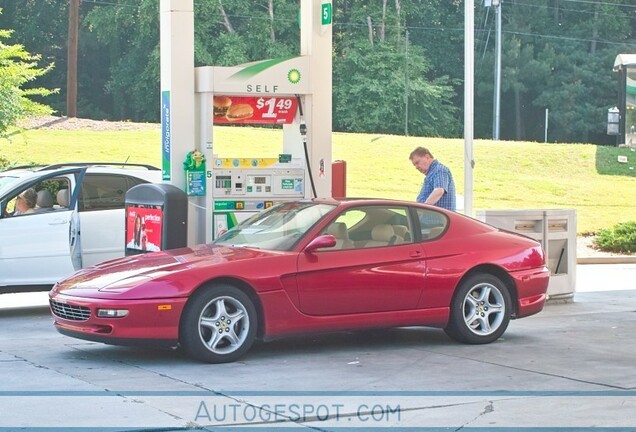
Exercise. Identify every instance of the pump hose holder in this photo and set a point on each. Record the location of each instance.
(303, 134)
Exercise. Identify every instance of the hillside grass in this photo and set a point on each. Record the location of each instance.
(507, 175)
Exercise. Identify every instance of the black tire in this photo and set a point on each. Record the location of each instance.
(218, 324)
(480, 310)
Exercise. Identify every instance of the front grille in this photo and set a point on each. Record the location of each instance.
(70, 312)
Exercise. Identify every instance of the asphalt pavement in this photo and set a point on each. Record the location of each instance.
(570, 367)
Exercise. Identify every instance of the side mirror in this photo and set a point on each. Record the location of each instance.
(323, 241)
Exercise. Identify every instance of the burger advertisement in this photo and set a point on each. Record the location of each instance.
(254, 110)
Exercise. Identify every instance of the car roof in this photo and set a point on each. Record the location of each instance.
(27, 172)
(354, 202)
(110, 165)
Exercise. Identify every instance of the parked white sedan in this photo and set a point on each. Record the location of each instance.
(78, 220)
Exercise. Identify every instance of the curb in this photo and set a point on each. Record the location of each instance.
(618, 259)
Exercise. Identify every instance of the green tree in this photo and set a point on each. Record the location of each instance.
(41, 26)
(437, 28)
(559, 58)
(17, 68)
(557, 54)
(128, 36)
(231, 32)
(370, 88)
(227, 33)
(377, 72)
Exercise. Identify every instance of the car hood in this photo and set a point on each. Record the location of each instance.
(123, 274)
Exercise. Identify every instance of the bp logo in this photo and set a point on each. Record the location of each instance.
(293, 76)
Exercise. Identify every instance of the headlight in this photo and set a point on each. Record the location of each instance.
(112, 313)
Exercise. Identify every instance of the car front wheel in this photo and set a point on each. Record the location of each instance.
(480, 310)
(218, 324)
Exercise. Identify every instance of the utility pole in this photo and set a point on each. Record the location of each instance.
(406, 85)
(469, 103)
(497, 94)
(71, 67)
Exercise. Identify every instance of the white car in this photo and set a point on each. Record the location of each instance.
(78, 220)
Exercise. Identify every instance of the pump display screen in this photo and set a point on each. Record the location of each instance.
(144, 224)
(259, 180)
(223, 182)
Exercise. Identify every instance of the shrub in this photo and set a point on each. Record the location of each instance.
(621, 238)
(4, 162)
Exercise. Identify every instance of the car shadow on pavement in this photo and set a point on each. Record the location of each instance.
(95, 351)
(36, 320)
(343, 343)
(376, 340)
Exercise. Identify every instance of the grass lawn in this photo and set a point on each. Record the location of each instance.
(507, 175)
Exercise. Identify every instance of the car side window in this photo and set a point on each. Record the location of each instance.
(432, 223)
(46, 198)
(49, 195)
(10, 207)
(105, 192)
(371, 226)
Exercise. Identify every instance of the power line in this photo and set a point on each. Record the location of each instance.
(481, 30)
(573, 39)
(603, 3)
(447, 29)
(589, 12)
(106, 3)
(413, 28)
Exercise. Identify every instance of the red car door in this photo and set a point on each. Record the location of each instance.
(361, 280)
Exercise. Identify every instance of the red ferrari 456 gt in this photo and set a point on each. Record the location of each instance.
(310, 266)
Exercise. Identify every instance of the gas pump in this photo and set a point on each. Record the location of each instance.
(243, 187)
(295, 92)
(267, 92)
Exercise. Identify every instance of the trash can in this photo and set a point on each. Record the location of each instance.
(156, 218)
(555, 229)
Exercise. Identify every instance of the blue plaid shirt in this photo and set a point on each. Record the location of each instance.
(439, 176)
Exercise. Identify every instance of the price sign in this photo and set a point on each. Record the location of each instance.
(254, 110)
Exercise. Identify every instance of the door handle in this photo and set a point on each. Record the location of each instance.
(58, 222)
(415, 254)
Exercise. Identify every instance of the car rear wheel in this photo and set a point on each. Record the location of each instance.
(218, 324)
(480, 310)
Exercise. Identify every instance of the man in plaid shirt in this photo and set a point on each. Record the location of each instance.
(438, 188)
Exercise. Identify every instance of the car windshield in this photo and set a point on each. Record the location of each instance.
(6, 180)
(277, 228)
